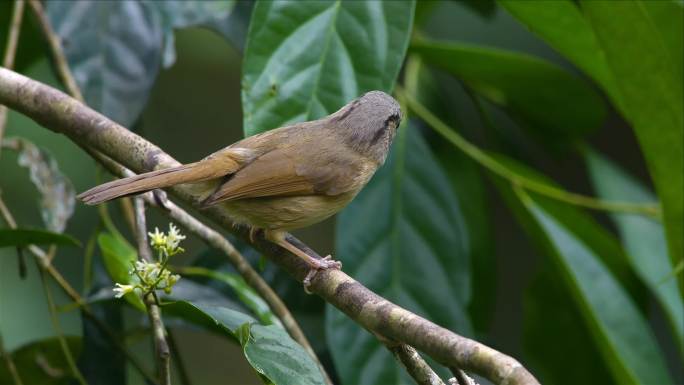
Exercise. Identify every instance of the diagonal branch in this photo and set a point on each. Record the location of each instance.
(62, 114)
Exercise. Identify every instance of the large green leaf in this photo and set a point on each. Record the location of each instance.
(42, 363)
(115, 48)
(25, 237)
(593, 269)
(563, 26)
(119, 256)
(269, 349)
(643, 49)
(468, 185)
(403, 237)
(305, 59)
(643, 238)
(549, 100)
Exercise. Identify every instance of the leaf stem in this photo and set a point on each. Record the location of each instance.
(10, 364)
(58, 329)
(652, 210)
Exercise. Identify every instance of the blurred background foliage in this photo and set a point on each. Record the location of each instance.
(556, 97)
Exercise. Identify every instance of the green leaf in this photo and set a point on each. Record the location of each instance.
(115, 48)
(592, 267)
(305, 59)
(25, 237)
(402, 228)
(563, 26)
(468, 186)
(42, 363)
(640, 45)
(114, 51)
(269, 349)
(623, 334)
(57, 193)
(119, 257)
(643, 238)
(547, 99)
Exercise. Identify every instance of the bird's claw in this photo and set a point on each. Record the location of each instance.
(319, 264)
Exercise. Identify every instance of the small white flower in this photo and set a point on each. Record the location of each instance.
(157, 239)
(121, 290)
(174, 238)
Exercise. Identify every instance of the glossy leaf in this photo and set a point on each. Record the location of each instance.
(643, 238)
(638, 43)
(42, 363)
(403, 228)
(57, 193)
(466, 180)
(592, 268)
(115, 48)
(547, 99)
(25, 237)
(269, 349)
(306, 59)
(119, 257)
(563, 26)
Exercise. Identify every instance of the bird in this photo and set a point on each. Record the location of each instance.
(286, 178)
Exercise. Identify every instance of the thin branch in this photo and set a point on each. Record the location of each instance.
(461, 378)
(652, 210)
(10, 54)
(60, 113)
(253, 279)
(43, 262)
(161, 347)
(10, 364)
(58, 330)
(177, 358)
(55, 44)
(414, 364)
(214, 238)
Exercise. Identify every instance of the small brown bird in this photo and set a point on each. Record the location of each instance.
(286, 178)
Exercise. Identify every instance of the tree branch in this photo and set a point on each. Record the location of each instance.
(161, 347)
(414, 364)
(60, 113)
(10, 53)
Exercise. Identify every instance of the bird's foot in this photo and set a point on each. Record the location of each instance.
(316, 266)
(253, 231)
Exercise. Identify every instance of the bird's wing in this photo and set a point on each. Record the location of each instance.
(284, 172)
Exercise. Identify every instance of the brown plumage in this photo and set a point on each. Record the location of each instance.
(286, 178)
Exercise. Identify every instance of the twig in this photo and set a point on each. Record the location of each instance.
(43, 259)
(58, 330)
(10, 54)
(161, 347)
(253, 279)
(414, 364)
(461, 378)
(10, 364)
(652, 210)
(55, 44)
(240, 263)
(177, 358)
(60, 113)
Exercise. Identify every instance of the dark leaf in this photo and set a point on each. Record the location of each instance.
(404, 228)
(642, 42)
(545, 98)
(306, 59)
(42, 363)
(593, 270)
(57, 193)
(25, 237)
(642, 237)
(269, 349)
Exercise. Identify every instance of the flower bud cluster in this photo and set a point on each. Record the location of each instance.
(149, 276)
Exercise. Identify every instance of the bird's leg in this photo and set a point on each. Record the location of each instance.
(278, 237)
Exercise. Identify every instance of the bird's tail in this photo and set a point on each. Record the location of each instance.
(208, 168)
